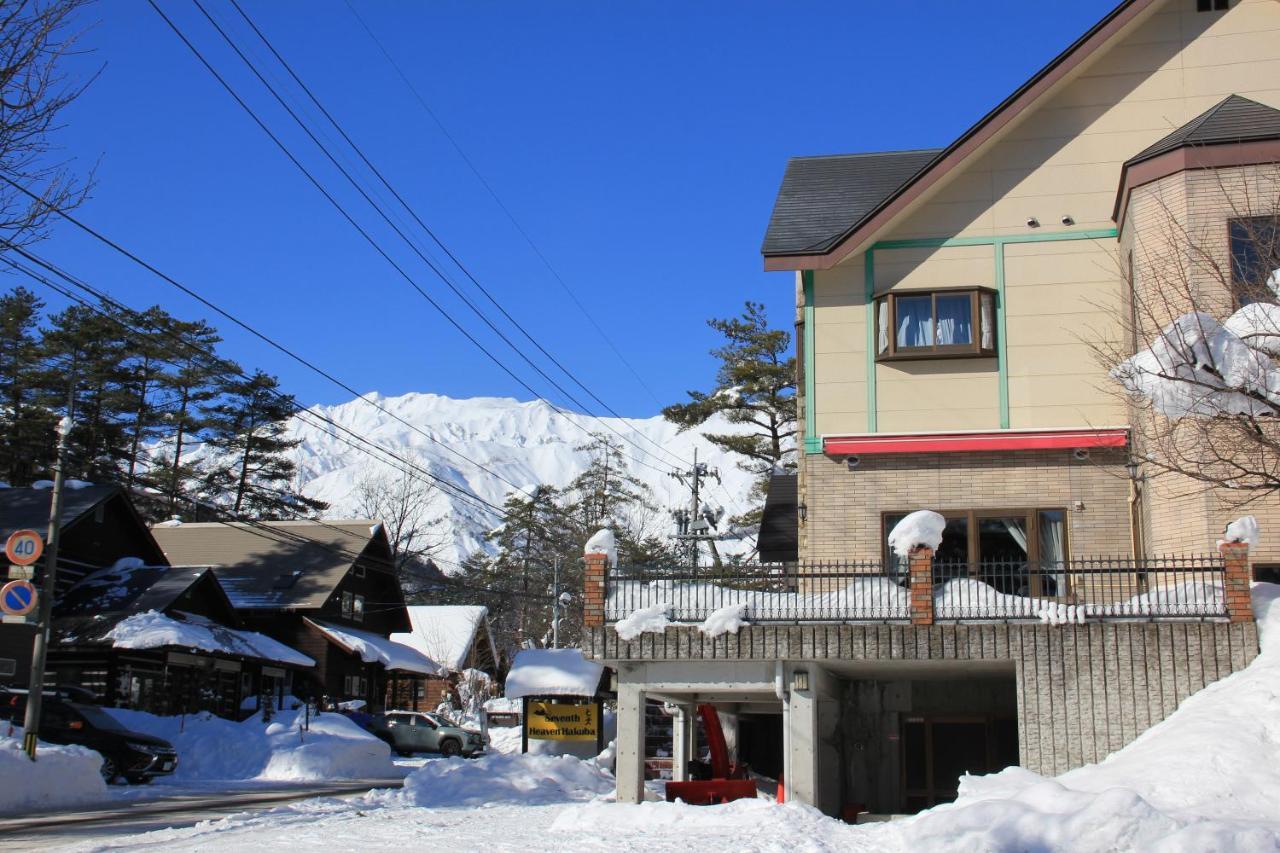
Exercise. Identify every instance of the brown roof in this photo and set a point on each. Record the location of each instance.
(273, 564)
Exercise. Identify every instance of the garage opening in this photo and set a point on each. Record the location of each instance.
(937, 751)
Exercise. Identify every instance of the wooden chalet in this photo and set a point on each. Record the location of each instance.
(326, 588)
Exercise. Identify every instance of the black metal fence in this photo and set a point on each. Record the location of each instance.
(1082, 589)
(767, 592)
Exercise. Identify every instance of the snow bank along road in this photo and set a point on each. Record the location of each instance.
(1205, 779)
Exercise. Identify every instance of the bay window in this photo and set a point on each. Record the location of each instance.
(949, 323)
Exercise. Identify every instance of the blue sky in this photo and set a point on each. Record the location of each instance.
(639, 144)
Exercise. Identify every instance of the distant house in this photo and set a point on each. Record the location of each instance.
(99, 527)
(326, 588)
(165, 640)
(456, 637)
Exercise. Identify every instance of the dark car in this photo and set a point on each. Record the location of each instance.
(136, 757)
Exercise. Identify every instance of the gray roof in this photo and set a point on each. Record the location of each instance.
(29, 508)
(1232, 120)
(97, 603)
(271, 564)
(823, 198)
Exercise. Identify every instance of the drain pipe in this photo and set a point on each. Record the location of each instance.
(779, 689)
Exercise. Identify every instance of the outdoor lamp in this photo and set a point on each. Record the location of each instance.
(802, 511)
(800, 680)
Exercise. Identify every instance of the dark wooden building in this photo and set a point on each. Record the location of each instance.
(166, 640)
(325, 588)
(99, 527)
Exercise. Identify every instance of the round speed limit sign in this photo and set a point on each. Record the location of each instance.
(24, 547)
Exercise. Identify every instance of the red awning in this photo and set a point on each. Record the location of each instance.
(959, 442)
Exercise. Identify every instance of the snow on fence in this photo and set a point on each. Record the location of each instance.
(1091, 588)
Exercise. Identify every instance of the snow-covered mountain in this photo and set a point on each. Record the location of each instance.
(527, 443)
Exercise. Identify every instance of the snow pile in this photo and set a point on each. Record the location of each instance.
(603, 543)
(154, 630)
(60, 777)
(727, 620)
(1242, 530)
(757, 824)
(652, 619)
(1198, 366)
(213, 748)
(1205, 778)
(552, 672)
(524, 779)
(920, 529)
(872, 597)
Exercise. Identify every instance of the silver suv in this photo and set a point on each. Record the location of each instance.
(416, 731)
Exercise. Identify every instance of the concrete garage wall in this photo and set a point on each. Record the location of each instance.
(1083, 691)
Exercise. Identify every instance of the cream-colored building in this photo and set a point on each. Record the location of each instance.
(952, 303)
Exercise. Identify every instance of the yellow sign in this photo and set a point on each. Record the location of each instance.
(560, 721)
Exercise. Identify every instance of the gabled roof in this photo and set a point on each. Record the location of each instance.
(447, 633)
(29, 508)
(128, 587)
(858, 223)
(821, 196)
(1231, 121)
(779, 539)
(272, 564)
(375, 648)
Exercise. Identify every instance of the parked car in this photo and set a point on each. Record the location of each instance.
(136, 757)
(416, 731)
(374, 724)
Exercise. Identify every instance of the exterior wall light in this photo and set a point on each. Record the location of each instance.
(802, 511)
(800, 680)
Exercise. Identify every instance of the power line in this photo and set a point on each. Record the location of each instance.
(369, 238)
(501, 206)
(412, 212)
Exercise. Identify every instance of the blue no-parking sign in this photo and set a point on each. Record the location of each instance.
(18, 598)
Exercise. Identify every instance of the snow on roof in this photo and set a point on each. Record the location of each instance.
(552, 672)
(375, 648)
(154, 630)
(445, 633)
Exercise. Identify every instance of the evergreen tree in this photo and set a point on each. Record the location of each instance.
(26, 427)
(191, 386)
(85, 348)
(755, 386)
(533, 537)
(606, 494)
(150, 350)
(247, 429)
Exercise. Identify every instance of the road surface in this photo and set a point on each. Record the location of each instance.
(128, 816)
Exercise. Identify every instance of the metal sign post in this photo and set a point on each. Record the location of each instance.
(40, 648)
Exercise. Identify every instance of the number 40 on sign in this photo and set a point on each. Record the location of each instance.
(23, 547)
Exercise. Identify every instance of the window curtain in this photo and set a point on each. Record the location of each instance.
(1052, 553)
(985, 310)
(1018, 530)
(915, 321)
(955, 320)
(882, 320)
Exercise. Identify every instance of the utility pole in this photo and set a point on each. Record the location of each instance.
(40, 646)
(695, 524)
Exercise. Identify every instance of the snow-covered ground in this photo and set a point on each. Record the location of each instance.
(1206, 779)
(61, 777)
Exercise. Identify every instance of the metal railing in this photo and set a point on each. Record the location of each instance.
(1080, 589)
(767, 592)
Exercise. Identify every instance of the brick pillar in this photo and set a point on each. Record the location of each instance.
(1235, 580)
(593, 590)
(921, 573)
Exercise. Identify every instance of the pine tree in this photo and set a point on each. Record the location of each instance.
(755, 386)
(86, 348)
(150, 350)
(191, 386)
(26, 428)
(607, 494)
(247, 429)
(534, 535)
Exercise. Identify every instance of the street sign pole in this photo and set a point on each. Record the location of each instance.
(40, 648)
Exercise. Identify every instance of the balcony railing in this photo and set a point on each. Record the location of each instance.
(1081, 590)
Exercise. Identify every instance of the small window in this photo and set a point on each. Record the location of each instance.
(358, 571)
(936, 324)
(1255, 258)
(1212, 5)
(348, 605)
(357, 608)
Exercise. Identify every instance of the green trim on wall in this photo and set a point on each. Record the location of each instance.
(869, 280)
(812, 441)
